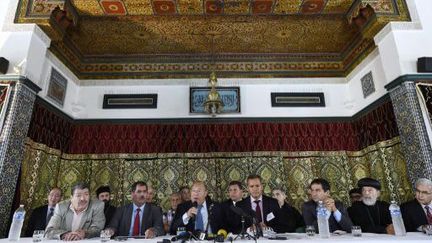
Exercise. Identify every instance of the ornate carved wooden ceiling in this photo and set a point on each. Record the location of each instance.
(189, 38)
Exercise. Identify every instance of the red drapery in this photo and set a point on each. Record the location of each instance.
(70, 137)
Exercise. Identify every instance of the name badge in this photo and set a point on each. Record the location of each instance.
(270, 216)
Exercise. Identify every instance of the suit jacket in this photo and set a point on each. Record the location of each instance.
(151, 217)
(213, 212)
(270, 205)
(290, 219)
(371, 219)
(92, 221)
(310, 217)
(413, 215)
(109, 211)
(231, 222)
(37, 220)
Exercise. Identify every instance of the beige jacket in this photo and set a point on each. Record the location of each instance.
(92, 221)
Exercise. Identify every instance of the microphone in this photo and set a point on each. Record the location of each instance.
(240, 212)
(182, 236)
(221, 235)
(194, 205)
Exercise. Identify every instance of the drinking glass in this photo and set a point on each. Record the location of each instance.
(356, 231)
(38, 235)
(105, 235)
(310, 230)
(428, 229)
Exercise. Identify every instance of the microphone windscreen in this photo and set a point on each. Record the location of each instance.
(195, 204)
(222, 232)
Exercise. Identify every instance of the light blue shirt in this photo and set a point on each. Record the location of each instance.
(337, 215)
(134, 211)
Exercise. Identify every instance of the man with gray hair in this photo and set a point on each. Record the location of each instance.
(371, 214)
(77, 218)
(417, 213)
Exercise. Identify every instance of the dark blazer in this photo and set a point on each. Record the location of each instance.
(231, 222)
(152, 217)
(371, 219)
(290, 219)
(37, 220)
(413, 215)
(310, 217)
(109, 211)
(270, 205)
(213, 211)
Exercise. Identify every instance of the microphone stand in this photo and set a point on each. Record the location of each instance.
(243, 233)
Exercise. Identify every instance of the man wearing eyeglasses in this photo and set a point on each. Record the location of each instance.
(417, 213)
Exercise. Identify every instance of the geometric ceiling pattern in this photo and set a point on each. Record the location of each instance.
(188, 38)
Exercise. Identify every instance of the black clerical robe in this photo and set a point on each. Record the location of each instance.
(372, 219)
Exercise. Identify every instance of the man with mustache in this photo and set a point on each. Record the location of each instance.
(103, 193)
(371, 214)
(137, 218)
(77, 218)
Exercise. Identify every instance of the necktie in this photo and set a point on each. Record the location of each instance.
(50, 214)
(428, 215)
(199, 222)
(136, 226)
(258, 211)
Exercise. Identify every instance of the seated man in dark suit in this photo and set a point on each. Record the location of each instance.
(371, 214)
(264, 209)
(200, 214)
(41, 216)
(336, 212)
(231, 222)
(137, 218)
(103, 193)
(417, 213)
(290, 219)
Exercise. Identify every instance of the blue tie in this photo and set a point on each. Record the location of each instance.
(199, 223)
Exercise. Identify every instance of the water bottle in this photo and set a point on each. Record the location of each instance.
(323, 225)
(397, 220)
(17, 223)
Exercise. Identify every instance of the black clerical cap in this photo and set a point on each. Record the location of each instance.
(103, 189)
(369, 182)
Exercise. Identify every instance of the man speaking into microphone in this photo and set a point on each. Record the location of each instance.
(200, 215)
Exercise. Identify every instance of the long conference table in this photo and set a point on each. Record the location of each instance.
(292, 237)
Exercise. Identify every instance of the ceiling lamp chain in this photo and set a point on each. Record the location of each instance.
(213, 104)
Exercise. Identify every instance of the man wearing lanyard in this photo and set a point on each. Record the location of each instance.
(265, 210)
(137, 218)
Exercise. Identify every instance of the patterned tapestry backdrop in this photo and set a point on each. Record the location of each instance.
(44, 167)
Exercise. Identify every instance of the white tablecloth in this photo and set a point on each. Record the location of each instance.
(298, 238)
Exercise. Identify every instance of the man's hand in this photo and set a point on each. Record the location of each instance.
(73, 236)
(192, 212)
(390, 229)
(330, 204)
(150, 233)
